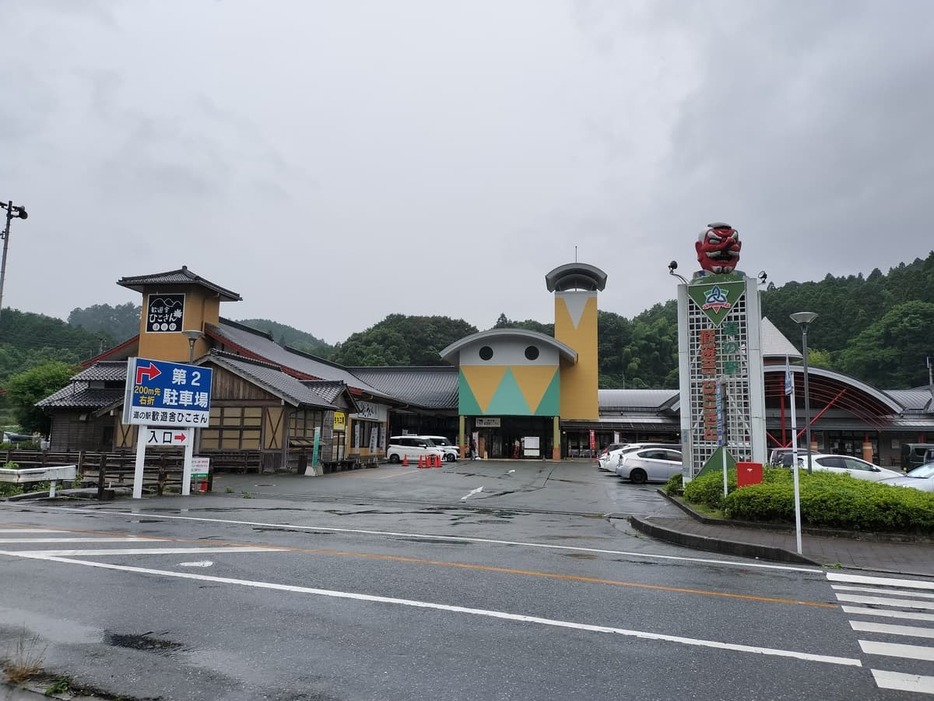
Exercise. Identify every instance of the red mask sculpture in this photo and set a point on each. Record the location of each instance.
(718, 248)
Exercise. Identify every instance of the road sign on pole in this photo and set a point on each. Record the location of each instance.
(160, 393)
(167, 436)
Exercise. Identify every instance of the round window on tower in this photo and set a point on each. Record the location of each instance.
(486, 353)
(531, 352)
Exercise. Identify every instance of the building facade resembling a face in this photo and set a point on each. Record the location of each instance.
(509, 376)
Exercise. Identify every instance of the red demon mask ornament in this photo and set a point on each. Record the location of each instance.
(718, 248)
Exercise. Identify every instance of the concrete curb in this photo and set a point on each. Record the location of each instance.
(719, 545)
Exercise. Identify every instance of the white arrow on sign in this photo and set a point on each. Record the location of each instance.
(167, 436)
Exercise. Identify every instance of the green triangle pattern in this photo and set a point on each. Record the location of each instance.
(508, 400)
(550, 405)
(467, 404)
(715, 462)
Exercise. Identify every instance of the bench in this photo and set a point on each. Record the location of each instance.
(239, 460)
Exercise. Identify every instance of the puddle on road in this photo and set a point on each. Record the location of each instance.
(145, 642)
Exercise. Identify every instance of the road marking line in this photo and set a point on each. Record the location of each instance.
(903, 682)
(884, 601)
(914, 631)
(39, 554)
(559, 576)
(885, 581)
(873, 590)
(911, 652)
(122, 539)
(464, 539)
(909, 615)
(644, 635)
(31, 530)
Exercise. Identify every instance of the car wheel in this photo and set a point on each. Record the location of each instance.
(449, 457)
(638, 476)
(394, 457)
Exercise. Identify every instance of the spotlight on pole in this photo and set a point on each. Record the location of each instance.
(12, 212)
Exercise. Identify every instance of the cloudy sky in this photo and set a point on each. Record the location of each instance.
(336, 162)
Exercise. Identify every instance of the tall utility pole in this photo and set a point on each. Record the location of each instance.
(12, 212)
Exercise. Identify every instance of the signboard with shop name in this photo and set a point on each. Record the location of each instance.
(161, 393)
(486, 422)
(164, 313)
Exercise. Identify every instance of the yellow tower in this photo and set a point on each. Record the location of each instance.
(575, 286)
(176, 306)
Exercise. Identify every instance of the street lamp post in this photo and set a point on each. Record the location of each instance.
(12, 212)
(192, 335)
(804, 319)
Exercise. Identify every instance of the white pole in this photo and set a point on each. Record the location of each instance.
(189, 454)
(140, 462)
(794, 467)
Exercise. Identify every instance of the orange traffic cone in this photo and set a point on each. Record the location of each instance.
(421, 461)
(437, 461)
(405, 461)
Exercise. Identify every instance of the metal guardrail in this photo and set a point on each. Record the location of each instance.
(40, 474)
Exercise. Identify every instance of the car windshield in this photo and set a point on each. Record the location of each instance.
(925, 471)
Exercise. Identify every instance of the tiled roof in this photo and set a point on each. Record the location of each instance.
(176, 278)
(78, 395)
(329, 390)
(271, 378)
(433, 387)
(238, 338)
(107, 371)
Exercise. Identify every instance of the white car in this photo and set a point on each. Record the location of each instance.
(612, 459)
(452, 451)
(846, 465)
(922, 477)
(650, 465)
(411, 448)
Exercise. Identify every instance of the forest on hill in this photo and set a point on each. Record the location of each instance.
(876, 328)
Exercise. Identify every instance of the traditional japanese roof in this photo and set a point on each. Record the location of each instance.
(81, 395)
(105, 371)
(428, 387)
(271, 378)
(626, 400)
(242, 340)
(176, 278)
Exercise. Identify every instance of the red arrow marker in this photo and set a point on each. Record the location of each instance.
(150, 373)
(180, 437)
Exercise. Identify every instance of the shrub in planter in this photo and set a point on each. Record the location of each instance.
(674, 487)
(707, 489)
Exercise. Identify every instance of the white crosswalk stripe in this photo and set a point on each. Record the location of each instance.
(896, 599)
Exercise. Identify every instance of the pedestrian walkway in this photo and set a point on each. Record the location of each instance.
(878, 553)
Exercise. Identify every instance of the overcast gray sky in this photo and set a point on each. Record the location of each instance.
(336, 162)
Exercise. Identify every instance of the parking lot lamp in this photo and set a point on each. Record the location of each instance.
(12, 212)
(804, 319)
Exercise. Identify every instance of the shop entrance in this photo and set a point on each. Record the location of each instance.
(515, 438)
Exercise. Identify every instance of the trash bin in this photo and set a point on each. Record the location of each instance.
(748, 473)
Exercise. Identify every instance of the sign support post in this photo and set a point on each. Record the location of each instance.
(140, 463)
(186, 470)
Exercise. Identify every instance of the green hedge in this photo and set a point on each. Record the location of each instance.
(828, 501)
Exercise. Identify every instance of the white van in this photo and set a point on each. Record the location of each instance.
(452, 451)
(412, 448)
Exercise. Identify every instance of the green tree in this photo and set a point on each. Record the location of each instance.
(114, 324)
(891, 352)
(27, 388)
(291, 337)
(402, 340)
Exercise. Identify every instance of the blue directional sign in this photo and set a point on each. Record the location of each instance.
(159, 393)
